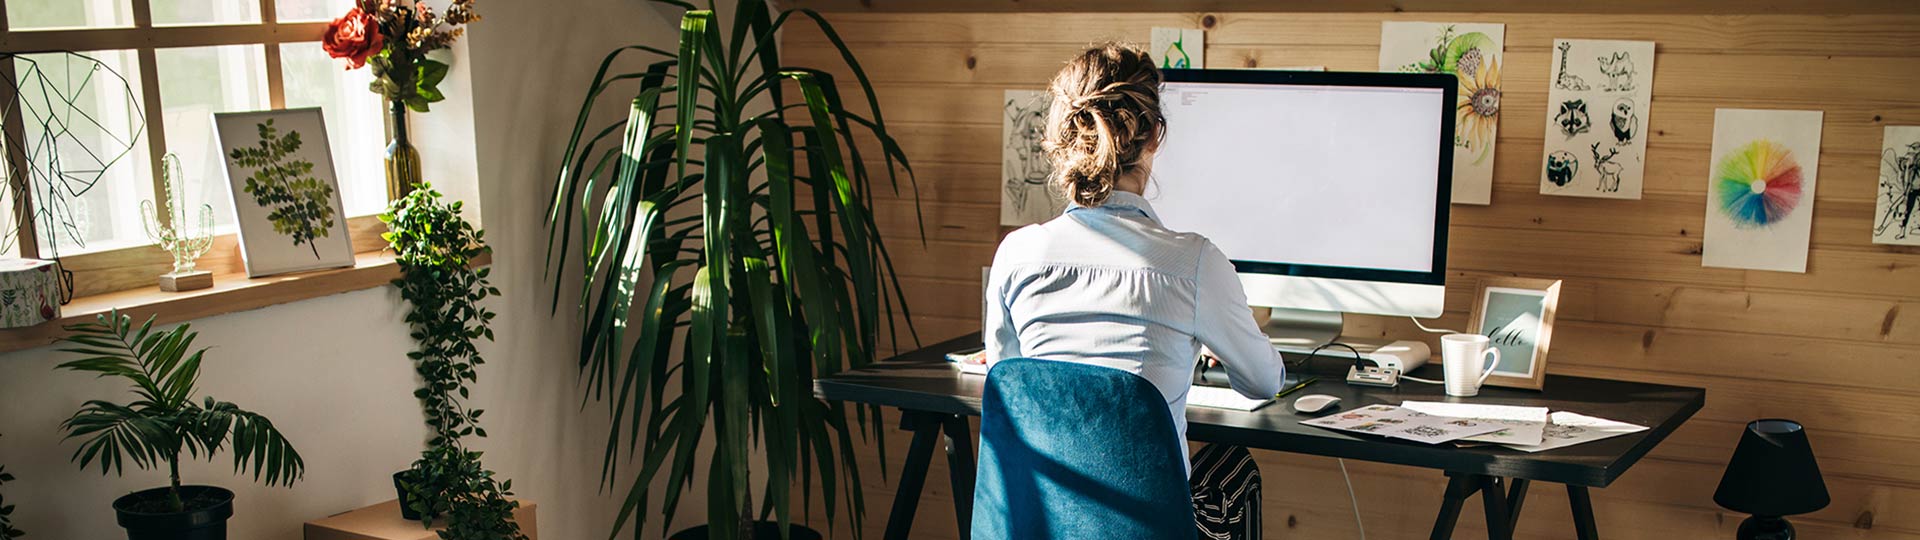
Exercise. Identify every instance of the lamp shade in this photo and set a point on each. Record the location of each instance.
(1773, 472)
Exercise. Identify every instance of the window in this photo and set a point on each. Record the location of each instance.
(181, 61)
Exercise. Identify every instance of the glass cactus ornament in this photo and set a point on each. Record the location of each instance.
(173, 236)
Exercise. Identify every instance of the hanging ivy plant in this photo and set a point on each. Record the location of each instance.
(435, 249)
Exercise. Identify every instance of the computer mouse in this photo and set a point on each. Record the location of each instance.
(1314, 403)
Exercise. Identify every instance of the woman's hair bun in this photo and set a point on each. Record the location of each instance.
(1105, 114)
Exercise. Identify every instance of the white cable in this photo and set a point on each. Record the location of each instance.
(1420, 380)
(1416, 322)
(1356, 500)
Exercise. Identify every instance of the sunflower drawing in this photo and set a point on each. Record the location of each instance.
(1478, 111)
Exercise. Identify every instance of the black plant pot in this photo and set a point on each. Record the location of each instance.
(205, 518)
(406, 501)
(762, 530)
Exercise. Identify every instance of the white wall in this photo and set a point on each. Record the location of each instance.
(332, 372)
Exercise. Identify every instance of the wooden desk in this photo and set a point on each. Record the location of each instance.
(934, 398)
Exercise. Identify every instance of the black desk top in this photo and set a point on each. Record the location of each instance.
(923, 380)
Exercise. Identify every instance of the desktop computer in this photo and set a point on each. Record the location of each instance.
(1329, 192)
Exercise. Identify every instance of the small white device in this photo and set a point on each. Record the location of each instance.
(1373, 376)
(1314, 403)
(1403, 355)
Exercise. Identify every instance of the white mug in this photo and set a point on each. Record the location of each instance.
(1460, 356)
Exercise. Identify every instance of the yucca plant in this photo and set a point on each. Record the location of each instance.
(741, 237)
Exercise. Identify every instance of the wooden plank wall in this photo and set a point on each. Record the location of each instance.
(1837, 348)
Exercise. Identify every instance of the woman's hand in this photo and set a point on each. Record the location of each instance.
(1212, 361)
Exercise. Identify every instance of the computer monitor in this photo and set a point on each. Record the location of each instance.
(1329, 191)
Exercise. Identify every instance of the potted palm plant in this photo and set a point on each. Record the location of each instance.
(161, 423)
(741, 237)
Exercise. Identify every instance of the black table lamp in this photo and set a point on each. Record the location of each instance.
(1772, 474)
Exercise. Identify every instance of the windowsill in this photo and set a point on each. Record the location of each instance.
(231, 292)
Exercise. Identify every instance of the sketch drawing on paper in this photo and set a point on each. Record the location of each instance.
(1757, 185)
(1025, 198)
(1600, 123)
(1176, 56)
(1473, 53)
(1608, 168)
(1625, 122)
(1760, 189)
(1179, 48)
(1561, 166)
(1895, 221)
(1563, 79)
(1573, 118)
(1466, 56)
(1618, 68)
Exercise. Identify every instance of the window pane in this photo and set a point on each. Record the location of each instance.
(85, 141)
(310, 10)
(189, 12)
(196, 82)
(355, 125)
(45, 14)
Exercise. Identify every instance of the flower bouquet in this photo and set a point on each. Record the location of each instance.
(394, 37)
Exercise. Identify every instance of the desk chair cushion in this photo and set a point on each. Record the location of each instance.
(1071, 451)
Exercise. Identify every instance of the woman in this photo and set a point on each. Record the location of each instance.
(1106, 284)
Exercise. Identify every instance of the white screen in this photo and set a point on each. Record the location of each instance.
(1320, 175)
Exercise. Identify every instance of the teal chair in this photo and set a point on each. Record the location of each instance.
(1077, 451)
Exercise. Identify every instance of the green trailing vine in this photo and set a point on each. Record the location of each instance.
(301, 204)
(436, 248)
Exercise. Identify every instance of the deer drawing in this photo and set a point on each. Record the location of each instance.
(1609, 170)
(1564, 80)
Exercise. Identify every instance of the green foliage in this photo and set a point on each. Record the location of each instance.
(301, 204)
(7, 532)
(741, 291)
(435, 248)
(163, 420)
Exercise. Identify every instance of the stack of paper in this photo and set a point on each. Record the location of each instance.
(1528, 429)
(1524, 426)
(1568, 429)
(1399, 423)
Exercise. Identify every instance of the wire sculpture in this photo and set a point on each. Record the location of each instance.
(172, 235)
(77, 119)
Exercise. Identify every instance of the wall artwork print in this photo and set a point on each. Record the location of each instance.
(1760, 189)
(1024, 196)
(1179, 48)
(285, 195)
(1597, 107)
(1472, 52)
(1894, 221)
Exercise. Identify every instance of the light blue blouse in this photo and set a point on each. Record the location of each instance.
(1109, 285)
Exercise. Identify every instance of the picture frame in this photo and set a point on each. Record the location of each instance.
(285, 193)
(1517, 314)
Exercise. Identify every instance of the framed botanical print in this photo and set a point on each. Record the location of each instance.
(286, 198)
(1517, 314)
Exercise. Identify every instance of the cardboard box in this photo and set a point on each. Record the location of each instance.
(383, 522)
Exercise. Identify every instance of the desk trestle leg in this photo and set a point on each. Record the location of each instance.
(1493, 498)
(926, 427)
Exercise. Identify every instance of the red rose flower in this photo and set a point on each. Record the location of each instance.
(355, 37)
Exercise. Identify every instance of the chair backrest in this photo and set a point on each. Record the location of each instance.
(1072, 451)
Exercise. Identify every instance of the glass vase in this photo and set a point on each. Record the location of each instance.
(403, 161)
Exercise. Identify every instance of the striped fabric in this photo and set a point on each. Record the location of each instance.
(1226, 493)
(1109, 285)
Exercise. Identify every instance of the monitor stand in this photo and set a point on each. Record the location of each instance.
(1297, 332)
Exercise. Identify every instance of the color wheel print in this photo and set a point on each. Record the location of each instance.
(1757, 185)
